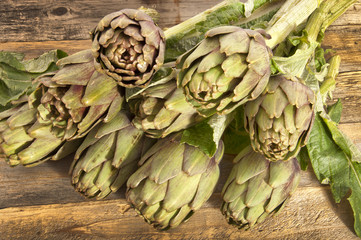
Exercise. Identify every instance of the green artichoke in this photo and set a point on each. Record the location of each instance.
(24, 141)
(161, 107)
(174, 180)
(257, 188)
(129, 47)
(228, 68)
(108, 156)
(75, 98)
(279, 121)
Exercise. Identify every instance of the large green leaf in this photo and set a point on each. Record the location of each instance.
(207, 134)
(336, 161)
(16, 74)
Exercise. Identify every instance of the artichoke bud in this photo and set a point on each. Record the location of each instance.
(228, 68)
(257, 188)
(161, 108)
(129, 47)
(26, 141)
(108, 156)
(280, 120)
(174, 180)
(75, 98)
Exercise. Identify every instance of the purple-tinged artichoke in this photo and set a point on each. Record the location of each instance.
(228, 68)
(161, 108)
(174, 180)
(129, 47)
(257, 188)
(280, 120)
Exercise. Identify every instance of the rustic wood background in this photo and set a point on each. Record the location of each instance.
(39, 203)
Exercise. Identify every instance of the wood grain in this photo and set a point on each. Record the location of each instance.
(40, 203)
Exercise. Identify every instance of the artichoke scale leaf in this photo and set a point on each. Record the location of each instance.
(181, 191)
(85, 180)
(94, 114)
(206, 187)
(72, 97)
(89, 140)
(135, 181)
(66, 149)
(77, 74)
(127, 141)
(251, 166)
(120, 121)
(235, 66)
(253, 214)
(164, 118)
(210, 61)
(79, 57)
(14, 148)
(237, 207)
(98, 153)
(11, 111)
(158, 146)
(183, 121)
(162, 218)
(16, 135)
(22, 118)
(183, 214)
(186, 75)
(233, 191)
(149, 211)
(194, 161)
(100, 90)
(167, 164)
(106, 176)
(258, 191)
(152, 192)
(39, 148)
(236, 41)
(245, 87)
(177, 102)
(114, 108)
(124, 172)
(204, 48)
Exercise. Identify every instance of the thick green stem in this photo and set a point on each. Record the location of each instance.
(290, 15)
(329, 83)
(191, 23)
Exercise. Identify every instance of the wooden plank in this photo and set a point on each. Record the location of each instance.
(45, 20)
(113, 219)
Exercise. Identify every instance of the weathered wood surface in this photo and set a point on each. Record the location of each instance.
(39, 203)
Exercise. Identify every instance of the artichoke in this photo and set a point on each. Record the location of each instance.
(108, 156)
(161, 108)
(76, 98)
(279, 121)
(174, 180)
(129, 47)
(257, 188)
(228, 68)
(24, 141)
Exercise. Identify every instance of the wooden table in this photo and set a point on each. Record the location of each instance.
(39, 203)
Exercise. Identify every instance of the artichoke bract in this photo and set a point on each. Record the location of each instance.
(108, 156)
(257, 188)
(23, 140)
(228, 68)
(161, 108)
(279, 121)
(76, 98)
(128, 46)
(174, 180)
